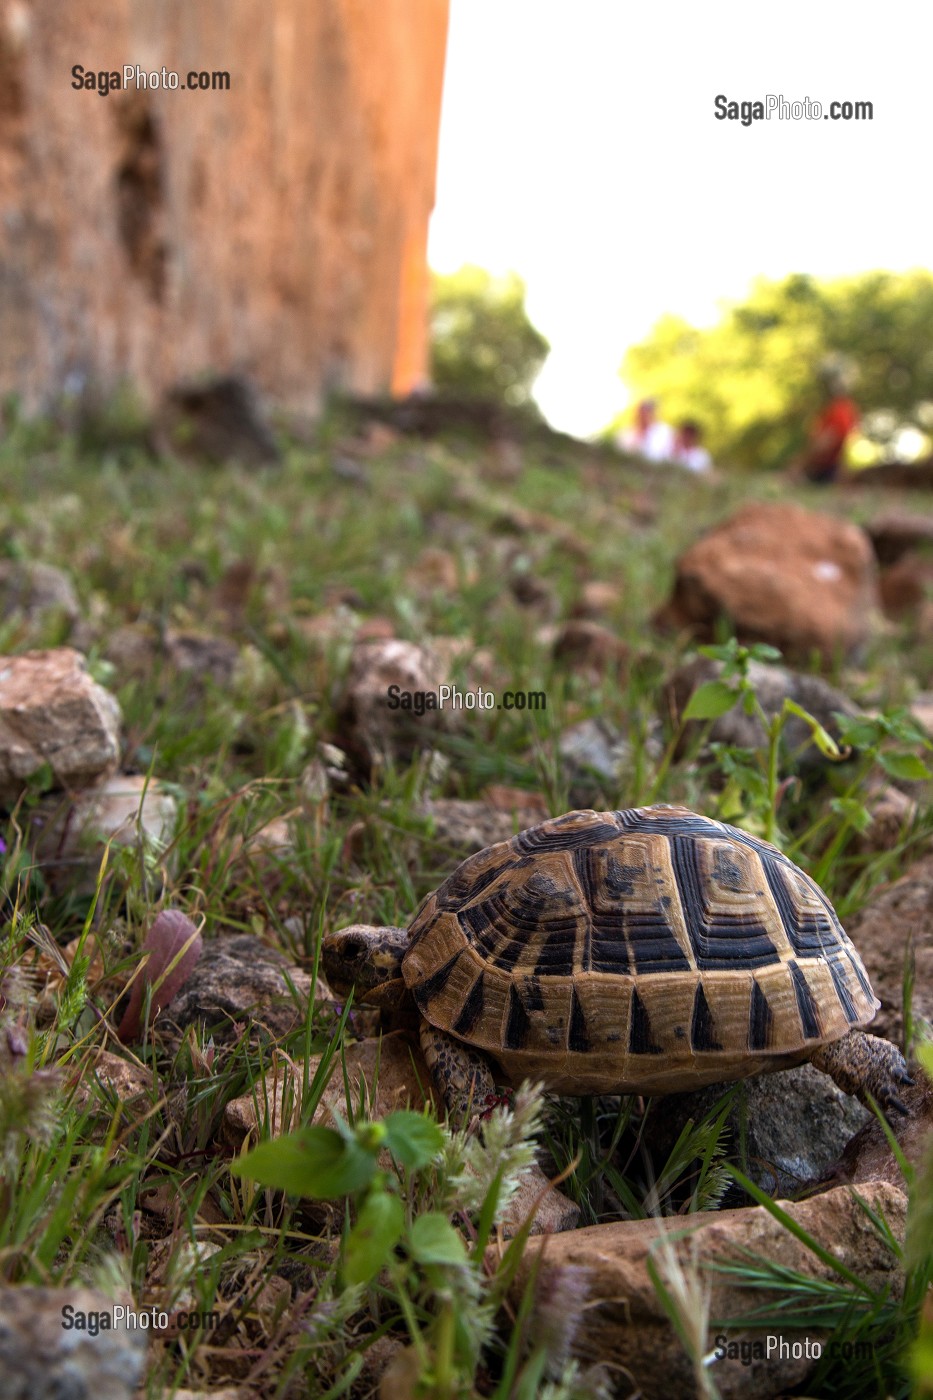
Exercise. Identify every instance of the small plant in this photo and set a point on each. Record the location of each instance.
(401, 1232)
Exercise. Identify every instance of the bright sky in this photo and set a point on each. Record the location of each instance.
(579, 147)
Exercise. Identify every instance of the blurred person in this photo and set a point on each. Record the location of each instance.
(823, 458)
(688, 448)
(648, 437)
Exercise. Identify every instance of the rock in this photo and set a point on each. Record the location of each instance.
(434, 571)
(772, 685)
(467, 826)
(906, 585)
(891, 812)
(204, 657)
(534, 1195)
(368, 727)
(597, 601)
(393, 1063)
(895, 534)
(896, 922)
(217, 421)
(789, 1127)
(52, 712)
(240, 980)
(590, 649)
(70, 835)
(323, 290)
(619, 1315)
(868, 1156)
(922, 709)
(111, 1077)
(133, 650)
(42, 1359)
(804, 582)
(593, 755)
(526, 807)
(37, 596)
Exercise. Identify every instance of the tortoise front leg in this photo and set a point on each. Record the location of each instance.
(462, 1075)
(865, 1064)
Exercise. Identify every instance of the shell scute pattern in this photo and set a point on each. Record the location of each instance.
(650, 948)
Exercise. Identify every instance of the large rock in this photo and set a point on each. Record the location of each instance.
(52, 712)
(387, 684)
(788, 1127)
(69, 836)
(127, 252)
(772, 686)
(895, 924)
(42, 1359)
(616, 1312)
(802, 581)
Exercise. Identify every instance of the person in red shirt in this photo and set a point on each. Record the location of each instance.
(822, 458)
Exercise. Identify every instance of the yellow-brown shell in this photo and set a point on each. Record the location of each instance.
(642, 951)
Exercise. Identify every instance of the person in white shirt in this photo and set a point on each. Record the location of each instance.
(648, 437)
(688, 449)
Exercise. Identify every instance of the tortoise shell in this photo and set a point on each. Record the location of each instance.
(640, 951)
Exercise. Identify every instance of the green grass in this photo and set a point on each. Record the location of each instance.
(140, 1194)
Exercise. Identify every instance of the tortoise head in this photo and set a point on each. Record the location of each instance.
(368, 960)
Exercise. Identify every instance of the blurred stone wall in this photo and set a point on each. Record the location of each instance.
(277, 229)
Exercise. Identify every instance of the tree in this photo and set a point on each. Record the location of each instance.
(753, 380)
(482, 342)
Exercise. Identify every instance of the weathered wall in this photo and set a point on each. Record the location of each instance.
(278, 229)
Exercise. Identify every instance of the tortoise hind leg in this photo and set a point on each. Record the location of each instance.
(865, 1064)
(463, 1075)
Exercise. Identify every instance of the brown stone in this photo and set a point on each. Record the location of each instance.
(129, 252)
(597, 601)
(389, 1068)
(906, 585)
(203, 657)
(620, 1315)
(434, 571)
(590, 649)
(52, 712)
(868, 1156)
(898, 919)
(801, 581)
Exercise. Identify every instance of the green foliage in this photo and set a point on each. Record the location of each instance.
(482, 342)
(752, 380)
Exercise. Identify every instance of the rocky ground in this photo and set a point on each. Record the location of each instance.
(201, 778)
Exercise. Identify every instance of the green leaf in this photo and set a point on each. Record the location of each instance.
(823, 740)
(413, 1140)
(710, 700)
(433, 1240)
(377, 1231)
(853, 812)
(925, 1056)
(317, 1162)
(904, 765)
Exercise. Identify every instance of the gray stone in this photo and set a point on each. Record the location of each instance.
(793, 1124)
(772, 685)
(239, 980)
(40, 1359)
(37, 595)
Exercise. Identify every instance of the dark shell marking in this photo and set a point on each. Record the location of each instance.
(635, 951)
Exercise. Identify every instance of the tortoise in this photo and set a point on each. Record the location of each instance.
(646, 951)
